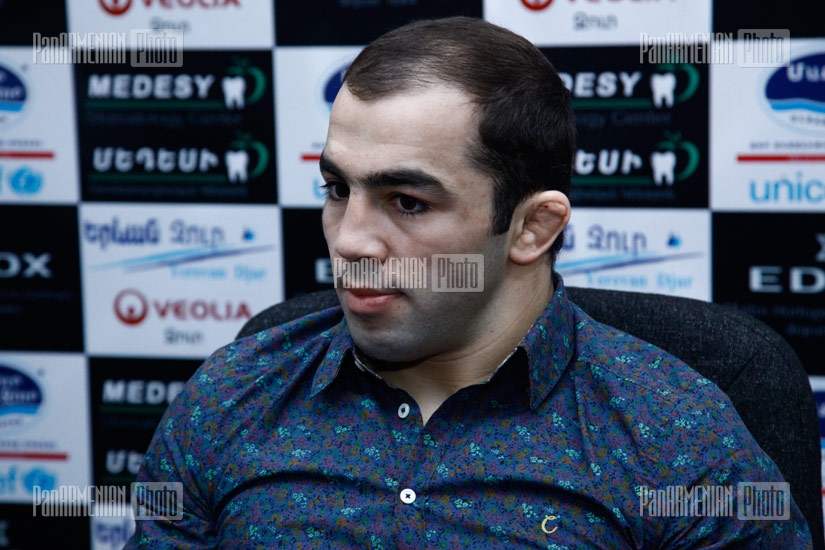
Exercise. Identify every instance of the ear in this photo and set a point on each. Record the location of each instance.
(537, 222)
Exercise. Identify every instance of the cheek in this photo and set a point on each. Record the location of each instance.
(329, 223)
(470, 234)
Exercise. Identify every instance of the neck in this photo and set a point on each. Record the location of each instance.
(434, 379)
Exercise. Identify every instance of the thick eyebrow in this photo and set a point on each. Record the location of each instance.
(330, 167)
(405, 177)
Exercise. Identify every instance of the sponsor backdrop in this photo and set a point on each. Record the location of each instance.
(150, 205)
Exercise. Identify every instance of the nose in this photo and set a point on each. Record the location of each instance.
(358, 232)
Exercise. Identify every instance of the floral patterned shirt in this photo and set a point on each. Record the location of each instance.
(585, 437)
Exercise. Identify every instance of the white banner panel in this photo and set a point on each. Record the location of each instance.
(306, 82)
(38, 153)
(44, 423)
(658, 251)
(767, 133)
(214, 24)
(598, 22)
(175, 281)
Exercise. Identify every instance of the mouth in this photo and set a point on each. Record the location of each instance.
(369, 300)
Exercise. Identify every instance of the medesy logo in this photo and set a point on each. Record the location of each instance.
(20, 399)
(132, 308)
(13, 96)
(627, 167)
(241, 85)
(206, 134)
(671, 84)
(140, 392)
(655, 104)
(119, 7)
(243, 159)
(795, 94)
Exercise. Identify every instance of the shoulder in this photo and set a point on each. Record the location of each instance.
(611, 354)
(232, 401)
(265, 367)
(277, 351)
(685, 423)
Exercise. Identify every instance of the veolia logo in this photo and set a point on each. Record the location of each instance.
(20, 399)
(795, 94)
(13, 96)
(116, 7)
(119, 7)
(536, 5)
(131, 307)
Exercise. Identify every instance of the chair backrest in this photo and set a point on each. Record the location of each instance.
(748, 360)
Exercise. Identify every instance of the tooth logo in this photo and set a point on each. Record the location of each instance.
(663, 86)
(663, 164)
(236, 163)
(233, 91)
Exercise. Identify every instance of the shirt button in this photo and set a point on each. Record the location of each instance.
(403, 410)
(407, 496)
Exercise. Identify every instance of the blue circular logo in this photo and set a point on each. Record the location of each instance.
(20, 399)
(333, 85)
(13, 96)
(796, 95)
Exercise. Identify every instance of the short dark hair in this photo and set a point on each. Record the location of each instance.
(526, 130)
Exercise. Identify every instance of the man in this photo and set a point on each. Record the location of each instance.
(494, 419)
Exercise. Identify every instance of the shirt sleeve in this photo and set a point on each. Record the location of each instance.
(173, 456)
(709, 447)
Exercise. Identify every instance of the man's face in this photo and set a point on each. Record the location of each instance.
(401, 185)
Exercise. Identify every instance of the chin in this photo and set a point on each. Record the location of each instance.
(386, 347)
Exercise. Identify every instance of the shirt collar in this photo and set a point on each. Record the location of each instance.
(340, 349)
(549, 346)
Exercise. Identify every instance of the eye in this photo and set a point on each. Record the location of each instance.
(410, 206)
(336, 190)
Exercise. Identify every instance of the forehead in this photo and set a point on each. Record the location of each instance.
(433, 128)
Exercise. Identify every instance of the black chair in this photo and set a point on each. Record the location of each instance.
(748, 360)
